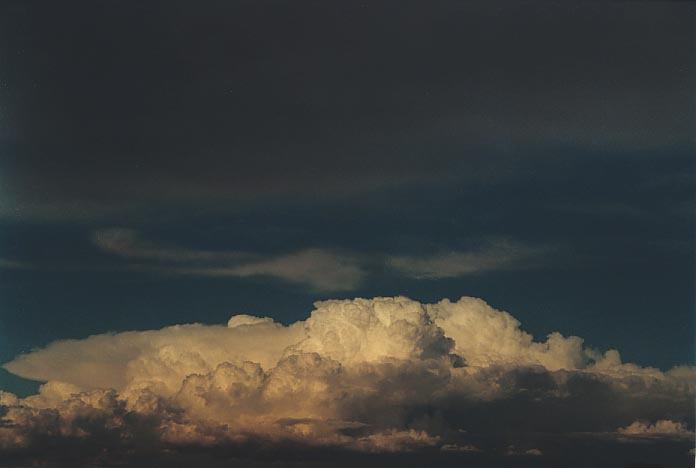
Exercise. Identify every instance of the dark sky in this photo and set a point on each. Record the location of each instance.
(145, 147)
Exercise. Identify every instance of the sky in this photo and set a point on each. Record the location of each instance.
(163, 164)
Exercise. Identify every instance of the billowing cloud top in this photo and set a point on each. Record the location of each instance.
(368, 375)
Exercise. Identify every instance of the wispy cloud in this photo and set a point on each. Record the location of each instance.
(127, 243)
(494, 255)
(318, 268)
(321, 269)
(14, 265)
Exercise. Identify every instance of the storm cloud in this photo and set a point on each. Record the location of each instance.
(383, 375)
(231, 103)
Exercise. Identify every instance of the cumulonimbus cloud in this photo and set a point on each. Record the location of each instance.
(366, 375)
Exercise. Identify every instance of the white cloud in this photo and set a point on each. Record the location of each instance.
(322, 270)
(495, 255)
(362, 374)
(663, 428)
(515, 451)
(127, 243)
(460, 448)
(14, 265)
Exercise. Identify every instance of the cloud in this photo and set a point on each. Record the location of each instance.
(515, 451)
(494, 255)
(663, 428)
(322, 270)
(363, 375)
(378, 130)
(460, 448)
(127, 243)
(13, 264)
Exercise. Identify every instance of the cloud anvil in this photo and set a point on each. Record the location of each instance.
(375, 375)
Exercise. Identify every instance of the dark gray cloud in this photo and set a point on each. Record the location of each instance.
(231, 102)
